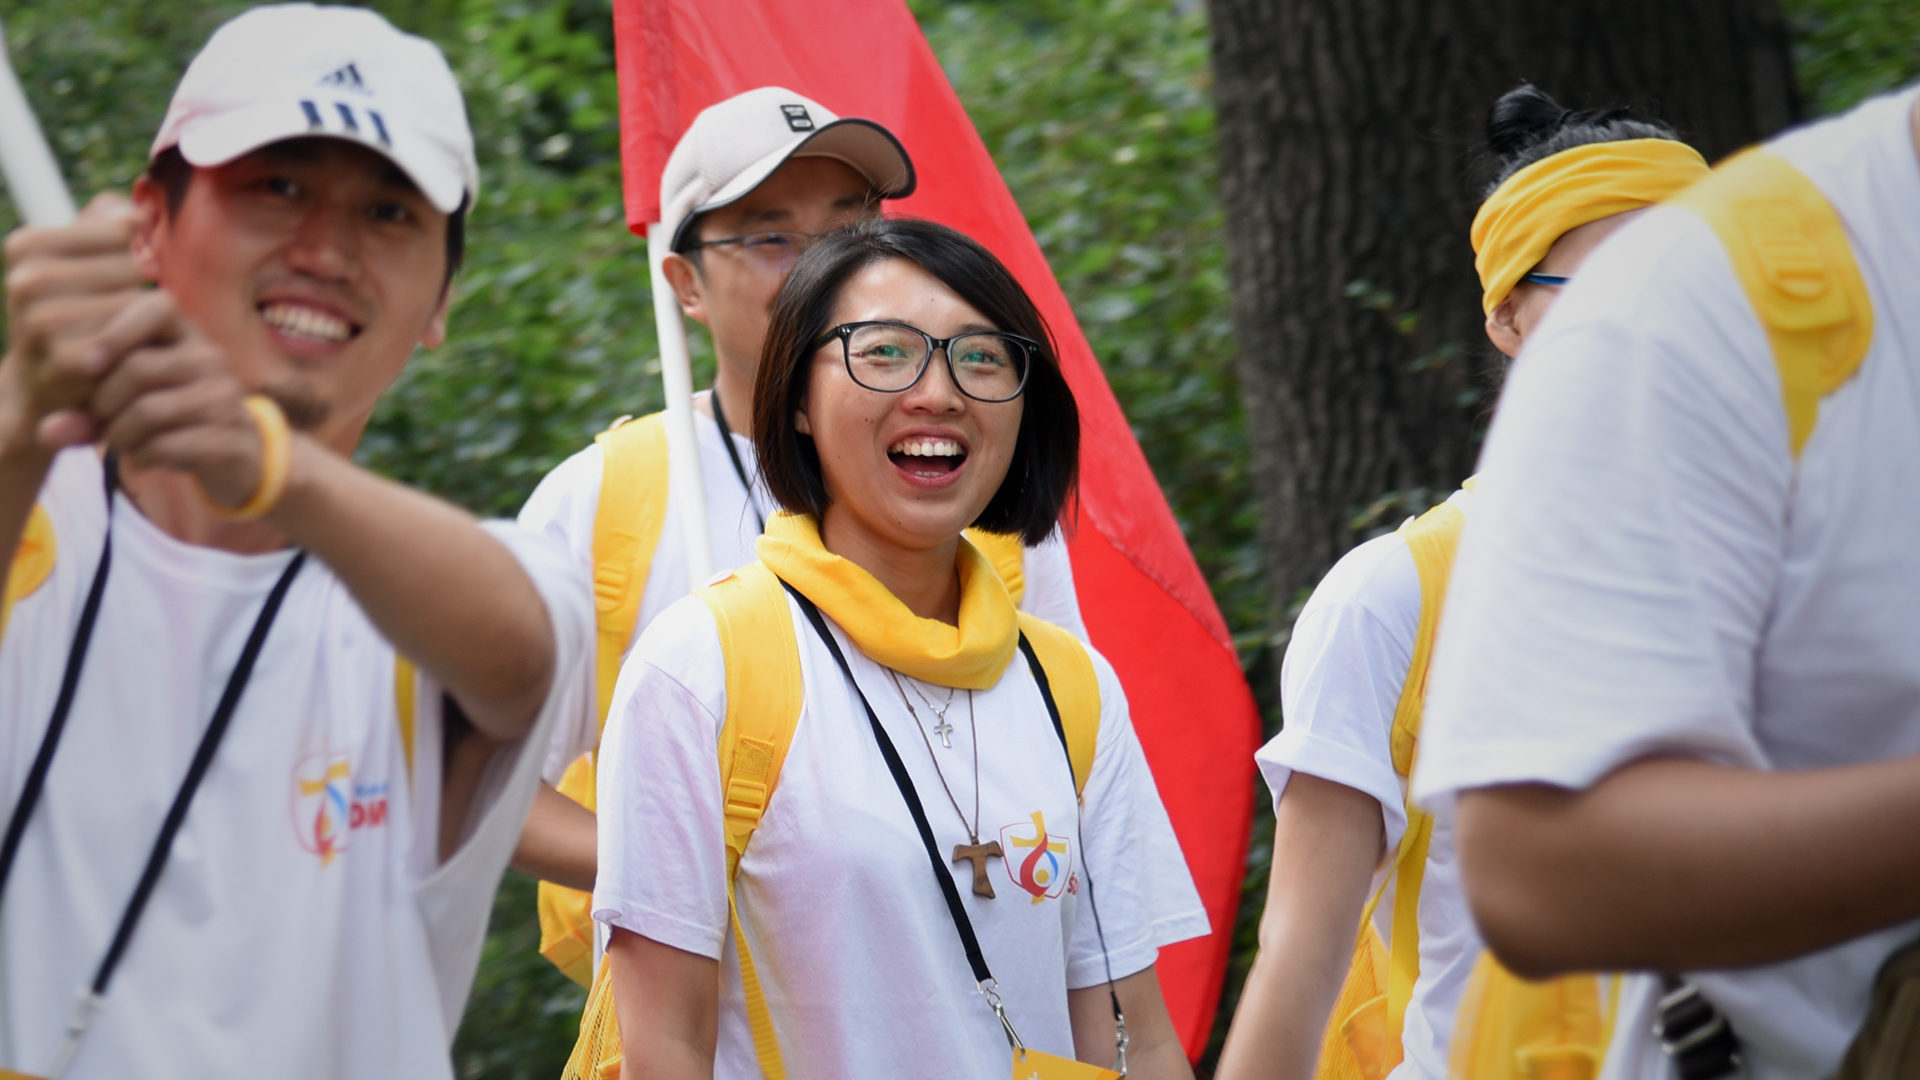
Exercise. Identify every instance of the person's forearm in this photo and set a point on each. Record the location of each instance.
(1682, 865)
(1165, 1060)
(668, 1005)
(1327, 839)
(558, 841)
(447, 595)
(1153, 1051)
(1281, 1019)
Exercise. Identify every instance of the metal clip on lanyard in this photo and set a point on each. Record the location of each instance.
(90, 997)
(982, 977)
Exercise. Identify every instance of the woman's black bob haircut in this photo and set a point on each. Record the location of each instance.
(1046, 456)
(1526, 125)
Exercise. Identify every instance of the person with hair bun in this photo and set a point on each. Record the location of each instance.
(932, 845)
(1675, 714)
(1564, 181)
(1350, 852)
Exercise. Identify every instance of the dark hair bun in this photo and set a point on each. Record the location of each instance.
(1523, 116)
(1526, 124)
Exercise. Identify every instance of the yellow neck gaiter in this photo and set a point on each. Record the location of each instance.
(970, 656)
(1544, 201)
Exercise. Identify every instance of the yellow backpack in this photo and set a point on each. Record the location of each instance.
(626, 532)
(1790, 253)
(763, 707)
(1362, 1040)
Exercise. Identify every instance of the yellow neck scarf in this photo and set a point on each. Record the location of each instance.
(1561, 192)
(970, 656)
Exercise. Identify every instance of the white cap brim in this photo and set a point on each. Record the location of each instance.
(211, 141)
(861, 145)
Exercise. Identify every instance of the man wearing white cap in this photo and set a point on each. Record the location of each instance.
(753, 183)
(243, 835)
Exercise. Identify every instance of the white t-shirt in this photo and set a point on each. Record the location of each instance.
(305, 924)
(862, 966)
(1340, 684)
(564, 504)
(1649, 572)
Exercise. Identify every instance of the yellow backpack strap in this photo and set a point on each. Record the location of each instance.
(1072, 689)
(626, 532)
(763, 709)
(32, 562)
(406, 688)
(1008, 557)
(1789, 249)
(1433, 537)
(1362, 1040)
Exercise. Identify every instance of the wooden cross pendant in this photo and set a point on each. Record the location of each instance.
(978, 854)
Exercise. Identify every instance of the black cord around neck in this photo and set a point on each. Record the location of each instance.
(733, 455)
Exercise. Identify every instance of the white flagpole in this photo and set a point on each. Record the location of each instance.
(676, 377)
(33, 177)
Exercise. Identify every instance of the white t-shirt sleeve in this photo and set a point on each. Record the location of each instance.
(1340, 684)
(1609, 597)
(562, 508)
(1049, 590)
(662, 848)
(456, 896)
(1138, 877)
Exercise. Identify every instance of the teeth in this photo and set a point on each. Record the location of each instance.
(927, 448)
(306, 322)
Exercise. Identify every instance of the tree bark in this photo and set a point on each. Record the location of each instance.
(1352, 157)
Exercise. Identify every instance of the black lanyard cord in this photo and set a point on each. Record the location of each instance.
(1060, 728)
(733, 455)
(968, 940)
(196, 770)
(971, 943)
(69, 683)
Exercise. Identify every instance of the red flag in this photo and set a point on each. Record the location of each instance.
(1146, 605)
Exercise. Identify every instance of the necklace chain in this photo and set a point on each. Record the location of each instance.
(939, 710)
(973, 730)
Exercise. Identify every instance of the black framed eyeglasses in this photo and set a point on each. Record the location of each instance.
(890, 357)
(1555, 280)
(778, 248)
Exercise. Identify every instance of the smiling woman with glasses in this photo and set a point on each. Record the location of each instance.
(913, 891)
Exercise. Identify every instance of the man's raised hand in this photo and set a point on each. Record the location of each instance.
(63, 285)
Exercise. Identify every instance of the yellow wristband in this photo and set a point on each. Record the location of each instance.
(276, 460)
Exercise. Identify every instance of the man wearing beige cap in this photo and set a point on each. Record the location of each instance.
(244, 836)
(755, 181)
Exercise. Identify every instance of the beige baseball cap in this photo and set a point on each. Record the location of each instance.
(736, 144)
(288, 71)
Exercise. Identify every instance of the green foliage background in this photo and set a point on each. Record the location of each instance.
(1099, 113)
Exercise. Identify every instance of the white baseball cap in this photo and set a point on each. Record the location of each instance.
(289, 71)
(736, 144)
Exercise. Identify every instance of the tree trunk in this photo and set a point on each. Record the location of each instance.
(1351, 162)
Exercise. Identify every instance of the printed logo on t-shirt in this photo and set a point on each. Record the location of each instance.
(1038, 862)
(328, 805)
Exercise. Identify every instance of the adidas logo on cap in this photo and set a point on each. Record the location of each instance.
(345, 78)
